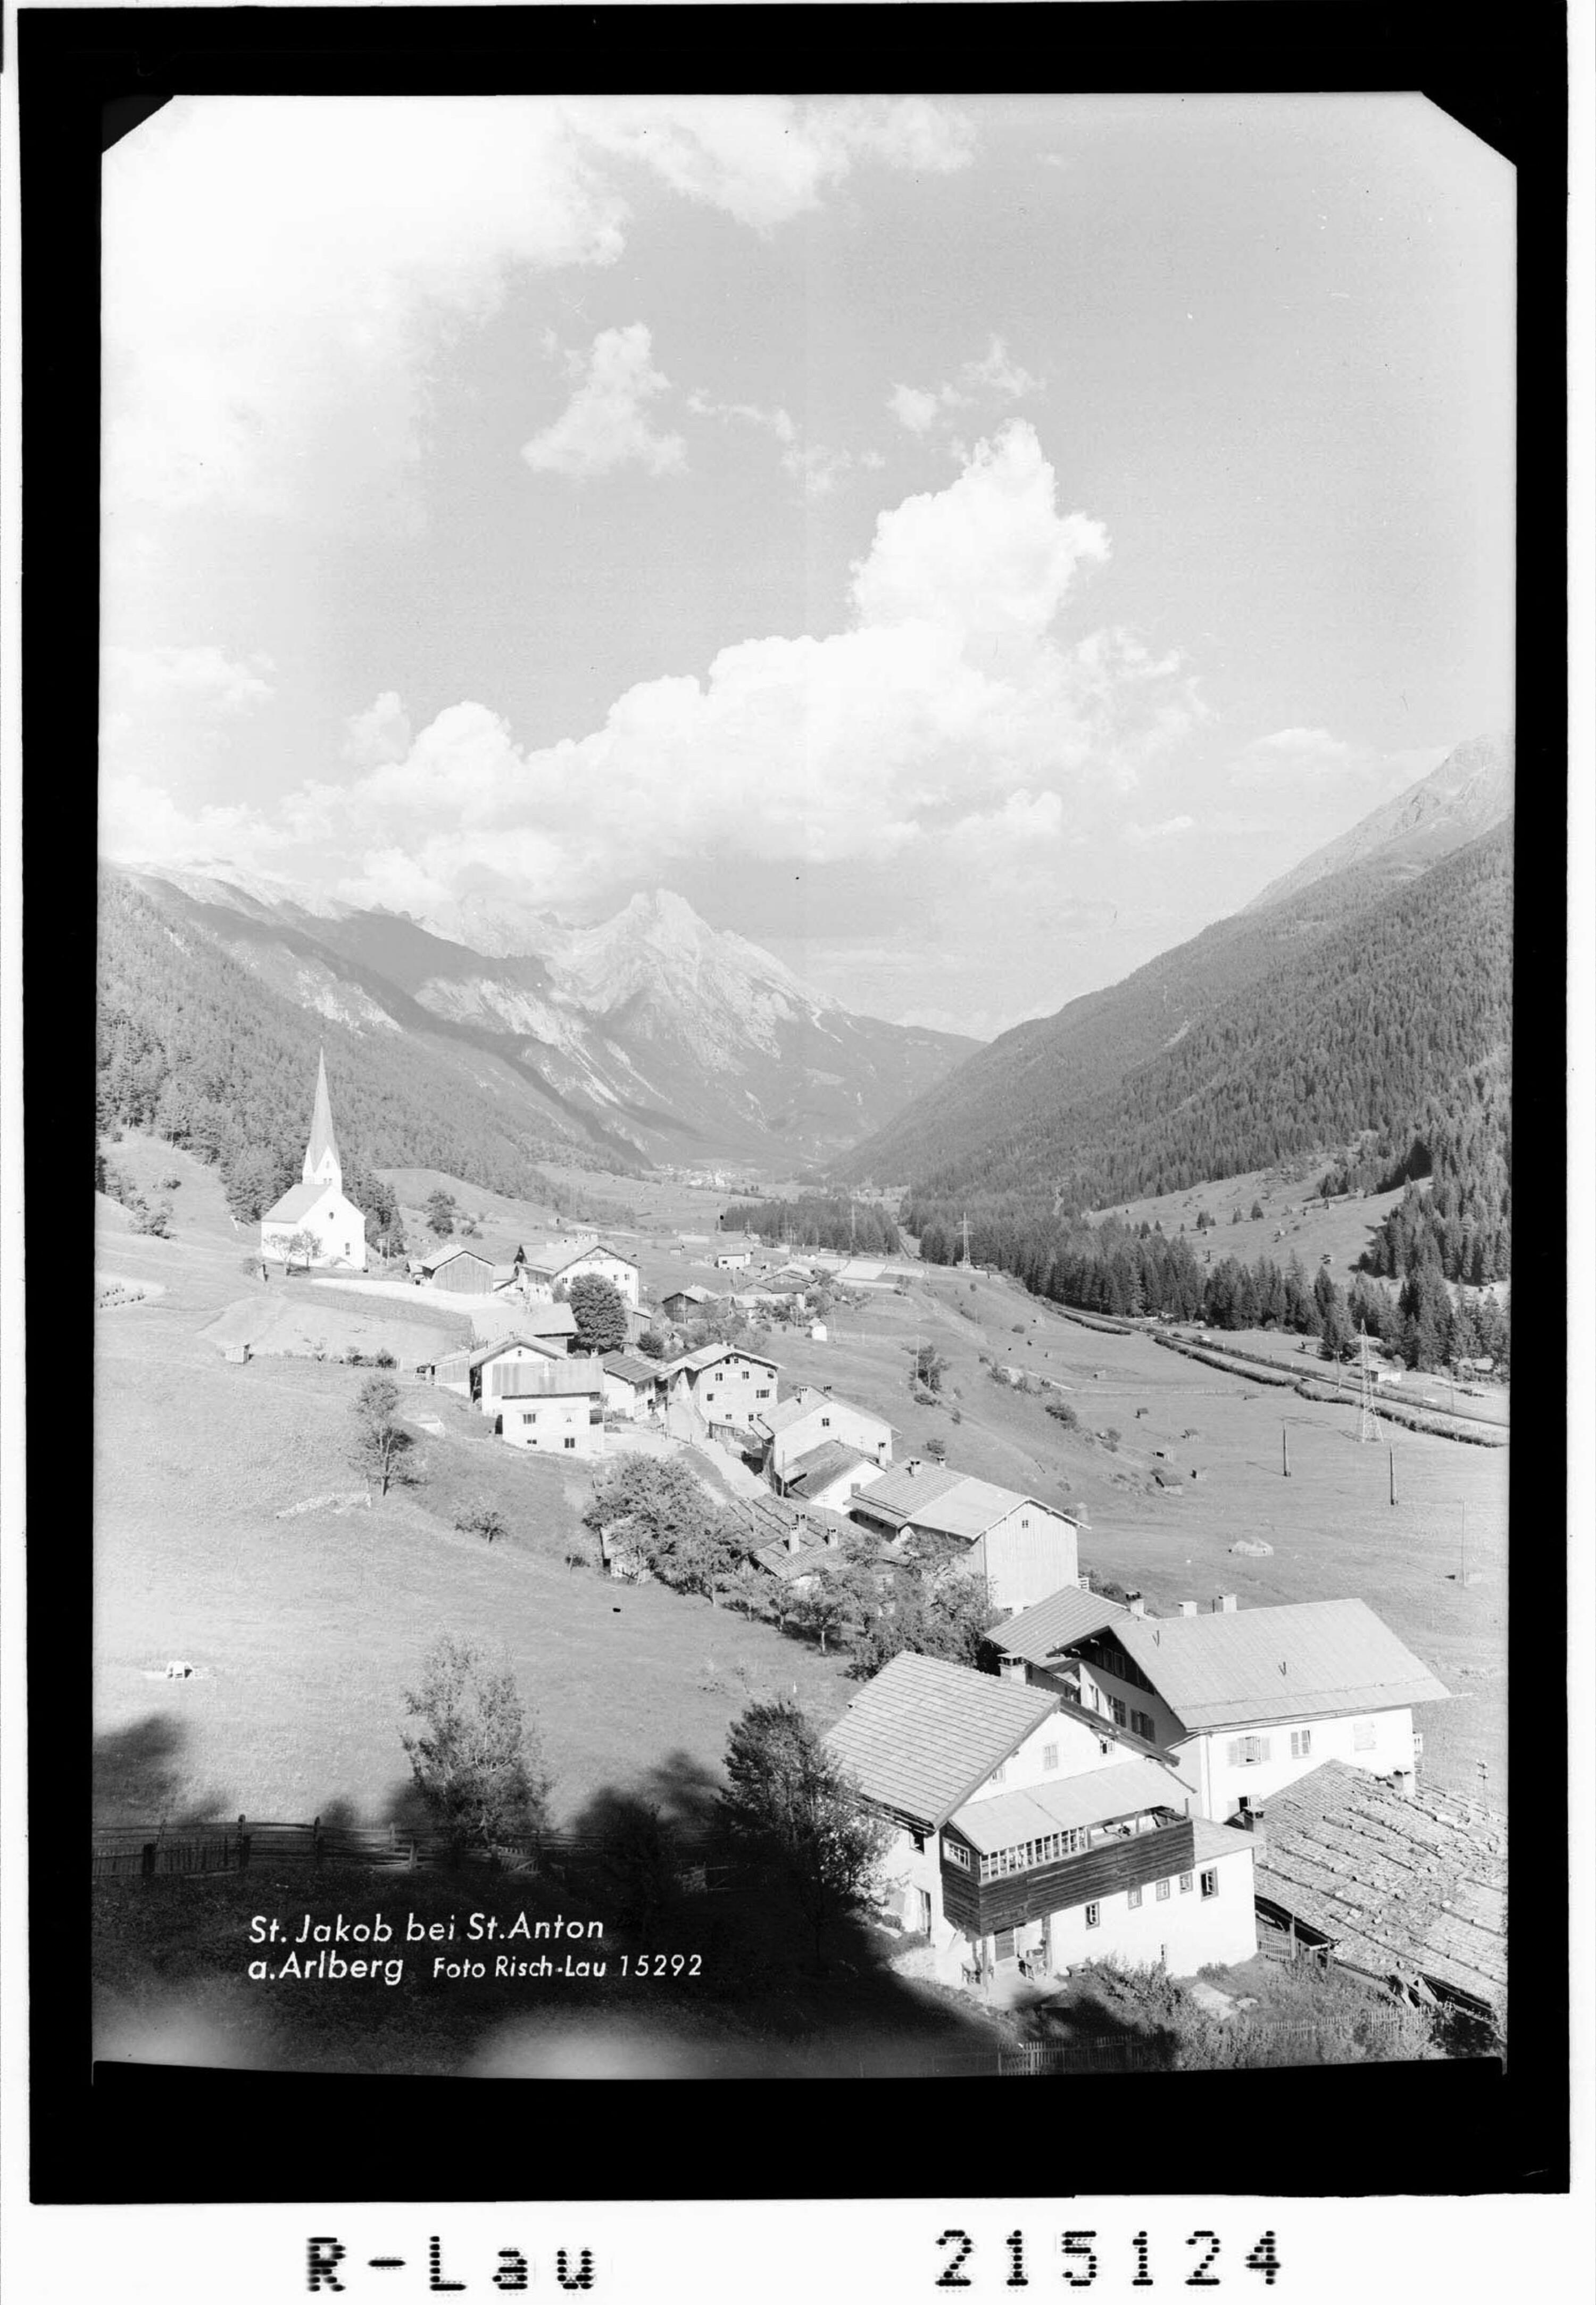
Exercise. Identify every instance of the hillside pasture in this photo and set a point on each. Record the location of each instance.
(1292, 1206)
(304, 1631)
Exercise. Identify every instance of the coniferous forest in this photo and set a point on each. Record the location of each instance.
(821, 1221)
(191, 1046)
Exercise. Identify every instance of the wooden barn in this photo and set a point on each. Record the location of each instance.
(461, 1271)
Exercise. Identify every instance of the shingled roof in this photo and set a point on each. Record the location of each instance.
(1412, 1884)
(935, 1497)
(922, 1735)
(1297, 1663)
(1038, 1634)
(821, 1465)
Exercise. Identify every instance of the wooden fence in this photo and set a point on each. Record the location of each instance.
(142, 1851)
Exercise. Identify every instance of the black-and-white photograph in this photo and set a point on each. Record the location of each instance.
(808, 803)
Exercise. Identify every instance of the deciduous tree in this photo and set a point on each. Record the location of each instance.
(797, 1816)
(475, 1757)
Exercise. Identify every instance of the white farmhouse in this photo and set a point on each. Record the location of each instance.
(1243, 1701)
(315, 1210)
(811, 1418)
(1024, 1548)
(1025, 1838)
(558, 1265)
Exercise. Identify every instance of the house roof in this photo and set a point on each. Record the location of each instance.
(1039, 1633)
(923, 1734)
(1210, 1841)
(441, 1257)
(935, 1497)
(1123, 1789)
(707, 1356)
(792, 1411)
(694, 1295)
(298, 1201)
(769, 1523)
(485, 1353)
(1411, 1882)
(636, 1368)
(550, 1380)
(1308, 1658)
(821, 1465)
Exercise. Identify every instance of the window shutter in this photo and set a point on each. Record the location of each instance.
(1237, 1751)
(1264, 1749)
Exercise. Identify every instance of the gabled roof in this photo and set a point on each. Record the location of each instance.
(935, 1497)
(1123, 1789)
(322, 1140)
(822, 1466)
(298, 1201)
(550, 1380)
(564, 1257)
(1409, 1882)
(1040, 1632)
(802, 1403)
(707, 1356)
(635, 1368)
(1299, 1661)
(486, 1353)
(694, 1295)
(442, 1256)
(922, 1735)
(768, 1524)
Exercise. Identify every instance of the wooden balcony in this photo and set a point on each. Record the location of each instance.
(1130, 1862)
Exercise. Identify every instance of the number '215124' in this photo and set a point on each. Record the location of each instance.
(1081, 2252)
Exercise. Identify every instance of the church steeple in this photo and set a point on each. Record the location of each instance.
(322, 1164)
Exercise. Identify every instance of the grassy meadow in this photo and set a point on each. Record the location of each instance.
(305, 1630)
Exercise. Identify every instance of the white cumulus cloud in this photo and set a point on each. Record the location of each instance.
(924, 409)
(606, 423)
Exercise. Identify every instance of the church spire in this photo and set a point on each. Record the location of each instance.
(321, 1154)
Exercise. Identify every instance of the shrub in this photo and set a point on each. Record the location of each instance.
(481, 1518)
(1065, 1415)
(935, 1450)
(1111, 1437)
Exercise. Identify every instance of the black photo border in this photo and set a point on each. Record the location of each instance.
(149, 2134)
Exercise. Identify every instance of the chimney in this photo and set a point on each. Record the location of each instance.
(832, 1534)
(1188, 1608)
(794, 1543)
(1224, 1605)
(1137, 1605)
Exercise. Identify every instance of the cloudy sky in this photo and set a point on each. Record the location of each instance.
(965, 546)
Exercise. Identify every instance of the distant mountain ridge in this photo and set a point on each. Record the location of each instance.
(649, 1036)
(1470, 792)
(1299, 1022)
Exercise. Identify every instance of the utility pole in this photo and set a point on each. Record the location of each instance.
(1284, 1456)
(1393, 1477)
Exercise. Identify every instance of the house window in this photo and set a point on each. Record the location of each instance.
(570, 1440)
(529, 1417)
(1049, 1756)
(1116, 1706)
(765, 1395)
(1133, 1898)
(1186, 1884)
(1247, 1752)
(1094, 1914)
(1210, 1881)
(1142, 1722)
(1163, 1892)
(956, 1853)
(919, 1841)
(1363, 1736)
(1302, 1744)
(825, 1422)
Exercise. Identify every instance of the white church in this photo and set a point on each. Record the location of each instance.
(316, 1206)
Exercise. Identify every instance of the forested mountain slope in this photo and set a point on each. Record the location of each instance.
(1241, 1047)
(194, 1045)
(1360, 1029)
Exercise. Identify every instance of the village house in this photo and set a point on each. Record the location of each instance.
(720, 1385)
(1024, 1549)
(633, 1384)
(733, 1260)
(313, 1223)
(813, 1418)
(683, 1304)
(462, 1271)
(1243, 1701)
(476, 1375)
(560, 1263)
(553, 1405)
(789, 1541)
(503, 1316)
(1024, 1844)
